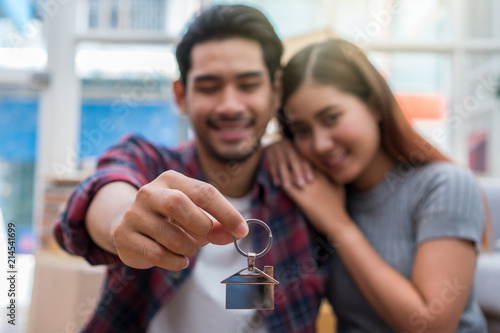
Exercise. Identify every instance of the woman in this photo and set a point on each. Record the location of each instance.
(404, 221)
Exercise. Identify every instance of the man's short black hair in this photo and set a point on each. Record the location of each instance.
(230, 21)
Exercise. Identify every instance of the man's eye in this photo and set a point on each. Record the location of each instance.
(249, 86)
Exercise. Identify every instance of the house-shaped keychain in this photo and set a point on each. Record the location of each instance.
(251, 288)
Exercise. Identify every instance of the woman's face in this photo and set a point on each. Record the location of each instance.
(338, 133)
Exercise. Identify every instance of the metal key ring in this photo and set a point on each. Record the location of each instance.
(258, 255)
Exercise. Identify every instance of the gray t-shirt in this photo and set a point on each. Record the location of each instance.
(410, 206)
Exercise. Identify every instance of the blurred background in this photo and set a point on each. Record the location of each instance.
(76, 75)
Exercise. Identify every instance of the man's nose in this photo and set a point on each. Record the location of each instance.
(230, 100)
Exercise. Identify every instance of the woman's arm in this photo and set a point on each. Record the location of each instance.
(435, 297)
(432, 300)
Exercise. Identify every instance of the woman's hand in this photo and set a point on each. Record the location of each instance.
(287, 166)
(323, 202)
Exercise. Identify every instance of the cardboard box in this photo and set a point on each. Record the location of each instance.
(66, 290)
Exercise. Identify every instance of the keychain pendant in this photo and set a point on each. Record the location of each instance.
(251, 288)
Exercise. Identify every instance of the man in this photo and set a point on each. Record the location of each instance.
(159, 218)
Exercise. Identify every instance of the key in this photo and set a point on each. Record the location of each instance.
(251, 288)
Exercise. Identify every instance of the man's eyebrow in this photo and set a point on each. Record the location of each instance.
(250, 74)
(212, 77)
(206, 77)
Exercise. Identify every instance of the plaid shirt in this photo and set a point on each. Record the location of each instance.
(131, 297)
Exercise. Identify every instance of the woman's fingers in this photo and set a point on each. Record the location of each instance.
(273, 164)
(287, 166)
(284, 168)
(299, 167)
(307, 170)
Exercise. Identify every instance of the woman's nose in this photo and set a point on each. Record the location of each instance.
(323, 142)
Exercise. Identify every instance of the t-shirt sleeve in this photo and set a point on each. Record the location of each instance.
(132, 160)
(449, 205)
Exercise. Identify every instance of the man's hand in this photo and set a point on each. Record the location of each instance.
(170, 219)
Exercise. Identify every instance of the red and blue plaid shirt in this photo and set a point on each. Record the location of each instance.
(131, 297)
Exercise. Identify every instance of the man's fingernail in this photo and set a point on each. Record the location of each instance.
(187, 263)
(241, 230)
(310, 176)
(286, 184)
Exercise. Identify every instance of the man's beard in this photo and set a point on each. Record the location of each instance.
(241, 154)
(234, 157)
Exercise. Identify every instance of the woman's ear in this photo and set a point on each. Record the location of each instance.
(374, 107)
(180, 94)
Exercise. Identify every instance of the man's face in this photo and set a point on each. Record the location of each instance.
(229, 98)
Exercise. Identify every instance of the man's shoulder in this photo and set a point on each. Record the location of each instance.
(134, 140)
(140, 154)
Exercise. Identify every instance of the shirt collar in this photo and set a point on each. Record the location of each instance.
(189, 160)
(263, 189)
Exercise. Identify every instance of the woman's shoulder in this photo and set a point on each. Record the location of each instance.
(447, 203)
(446, 184)
(417, 178)
(441, 172)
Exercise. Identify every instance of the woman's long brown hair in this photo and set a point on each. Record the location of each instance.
(342, 64)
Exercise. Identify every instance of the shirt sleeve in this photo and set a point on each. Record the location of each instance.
(132, 160)
(449, 205)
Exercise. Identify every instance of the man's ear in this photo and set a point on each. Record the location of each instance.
(277, 90)
(180, 94)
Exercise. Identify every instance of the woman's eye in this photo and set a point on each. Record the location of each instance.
(332, 118)
(300, 132)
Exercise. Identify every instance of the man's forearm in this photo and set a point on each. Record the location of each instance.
(106, 210)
